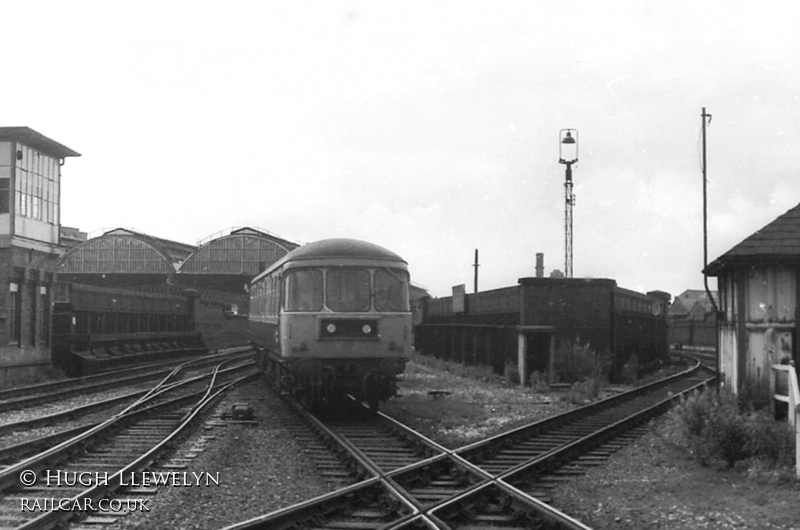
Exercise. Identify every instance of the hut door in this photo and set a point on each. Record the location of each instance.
(539, 354)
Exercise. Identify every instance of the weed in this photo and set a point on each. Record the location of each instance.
(511, 374)
(716, 428)
(576, 362)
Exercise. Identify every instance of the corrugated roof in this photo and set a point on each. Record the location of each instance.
(779, 241)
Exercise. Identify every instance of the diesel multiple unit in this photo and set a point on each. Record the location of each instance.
(332, 318)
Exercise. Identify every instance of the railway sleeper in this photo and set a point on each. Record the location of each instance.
(328, 464)
(101, 519)
(542, 495)
(391, 457)
(598, 453)
(350, 524)
(394, 461)
(387, 450)
(551, 480)
(527, 452)
(429, 498)
(506, 459)
(339, 472)
(589, 460)
(368, 514)
(133, 491)
(496, 519)
(483, 527)
(572, 471)
(445, 483)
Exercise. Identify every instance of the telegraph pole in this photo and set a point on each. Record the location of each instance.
(476, 270)
(706, 118)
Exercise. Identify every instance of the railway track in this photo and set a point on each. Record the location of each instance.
(28, 396)
(502, 482)
(40, 426)
(108, 461)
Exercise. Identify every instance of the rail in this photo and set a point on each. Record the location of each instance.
(784, 388)
(456, 488)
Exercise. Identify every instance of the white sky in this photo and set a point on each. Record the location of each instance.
(428, 127)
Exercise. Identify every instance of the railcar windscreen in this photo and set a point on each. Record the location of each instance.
(304, 290)
(347, 290)
(391, 290)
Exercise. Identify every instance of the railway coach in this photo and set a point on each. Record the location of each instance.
(332, 318)
(97, 328)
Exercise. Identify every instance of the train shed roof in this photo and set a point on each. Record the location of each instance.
(174, 251)
(777, 242)
(242, 252)
(124, 251)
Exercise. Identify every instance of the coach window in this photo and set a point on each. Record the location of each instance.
(390, 290)
(304, 290)
(347, 290)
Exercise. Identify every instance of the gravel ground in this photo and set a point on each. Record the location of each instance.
(261, 469)
(652, 484)
(647, 485)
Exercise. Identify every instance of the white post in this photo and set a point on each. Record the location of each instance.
(522, 357)
(794, 414)
(792, 400)
(797, 441)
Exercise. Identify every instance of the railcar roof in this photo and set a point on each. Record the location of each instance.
(342, 248)
(336, 248)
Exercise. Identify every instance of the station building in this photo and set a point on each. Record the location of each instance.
(30, 244)
(759, 288)
(217, 272)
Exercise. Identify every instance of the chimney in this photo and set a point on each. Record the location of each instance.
(539, 265)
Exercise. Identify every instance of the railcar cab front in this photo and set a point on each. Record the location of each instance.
(339, 317)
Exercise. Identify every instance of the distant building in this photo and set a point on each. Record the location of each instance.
(72, 237)
(525, 326)
(218, 271)
(692, 321)
(30, 243)
(759, 291)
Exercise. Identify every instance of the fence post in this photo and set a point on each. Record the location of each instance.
(787, 391)
(797, 441)
(794, 414)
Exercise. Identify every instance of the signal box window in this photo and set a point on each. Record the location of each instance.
(304, 290)
(348, 290)
(391, 292)
(4, 194)
(15, 313)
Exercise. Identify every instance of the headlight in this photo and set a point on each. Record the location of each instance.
(331, 328)
(366, 329)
